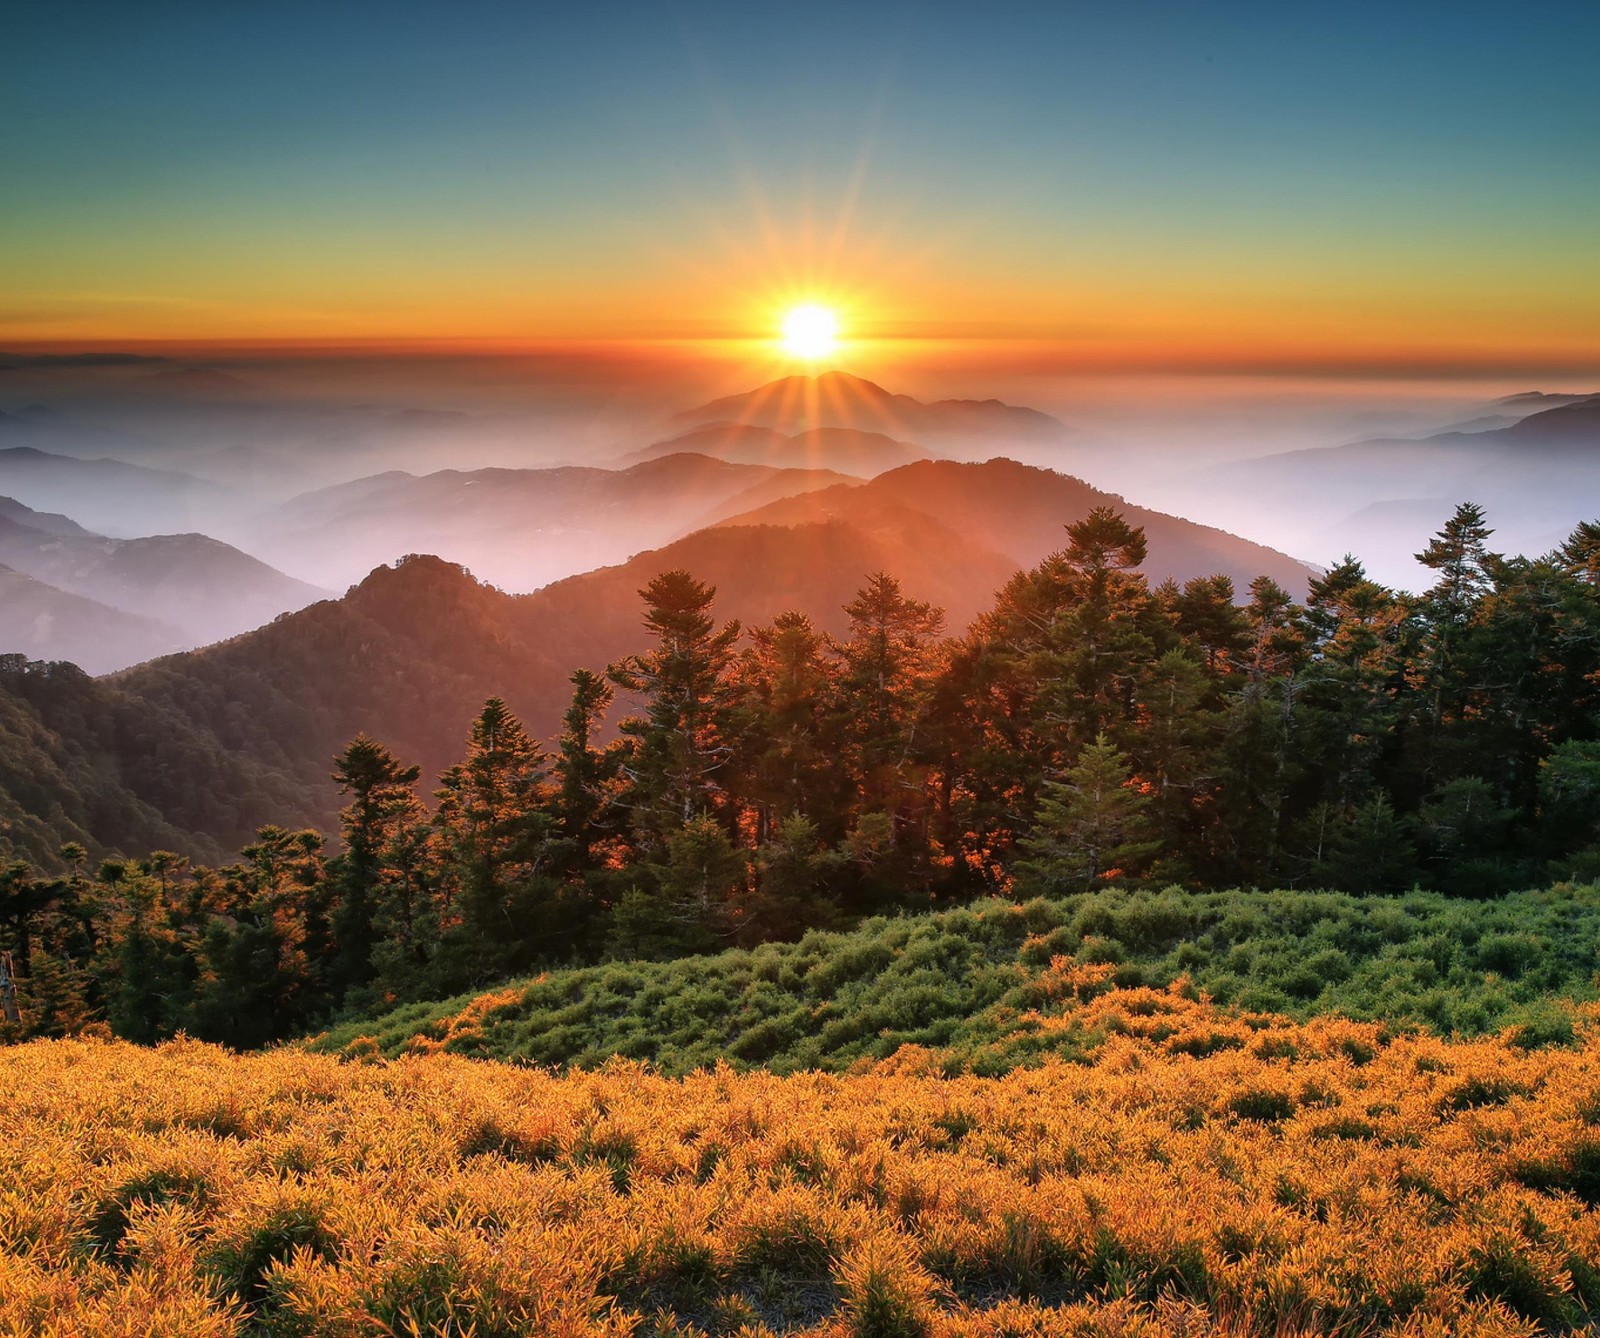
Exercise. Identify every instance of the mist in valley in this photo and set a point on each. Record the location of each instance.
(305, 470)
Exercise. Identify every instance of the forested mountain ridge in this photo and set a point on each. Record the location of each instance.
(1019, 510)
(410, 652)
(84, 761)
(1090, 729)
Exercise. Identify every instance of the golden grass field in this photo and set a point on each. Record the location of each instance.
(1208, 1173)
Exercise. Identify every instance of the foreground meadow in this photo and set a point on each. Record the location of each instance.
(1207, 1173)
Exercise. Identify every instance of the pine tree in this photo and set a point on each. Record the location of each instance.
(497, 848)
(889, 667)
(1173, 745)
(1532, 660)
(690, 908)
(1459, 554)
(1090, 823)
(792, 888)
(678, 749)
(263, 956)
(382, 802)
(1579, 553)
(1365, 848)
(1468, 836)
(786, 727)
(586, 775)
(1212, 624)
(1346, 697)
(1107, 628)
(1277, 645)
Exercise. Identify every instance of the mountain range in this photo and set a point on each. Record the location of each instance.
(849, 450)
(786, 497)
(412, 651)
(103, 603)
(44, 622)
(109, 496)
(516, 528)
(1537, 477)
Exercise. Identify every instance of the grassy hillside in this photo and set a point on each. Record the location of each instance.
(1320, 1178)
(987, 984)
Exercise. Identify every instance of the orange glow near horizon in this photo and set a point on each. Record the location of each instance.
(917, 320)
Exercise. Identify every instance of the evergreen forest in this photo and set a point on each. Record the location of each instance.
(728, 787)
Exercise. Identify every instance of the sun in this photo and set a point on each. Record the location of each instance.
(810, 331)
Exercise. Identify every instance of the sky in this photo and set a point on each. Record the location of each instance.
(1300, 187)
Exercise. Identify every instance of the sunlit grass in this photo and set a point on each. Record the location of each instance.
(1207, 1174)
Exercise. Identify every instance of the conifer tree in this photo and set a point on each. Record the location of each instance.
(888, 673)
(1579, 553)
(1099, 638)
(792, 888)
(1212, 624)
(146, 969)
(1459, 554)
(787, 727)
(1467, 837)
(586, 774)
(1364, 848)
(688, 906)
(1276, 645)
(261, 958)
(496, 846)
(1173, 745)
(678, 749)
(1091, 822)
(382, 802)
(1569, 804)
(1347, 696)
(888, 663)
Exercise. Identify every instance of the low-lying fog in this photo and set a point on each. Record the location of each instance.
(295, 458)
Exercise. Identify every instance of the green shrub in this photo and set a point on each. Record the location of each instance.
(961, 979)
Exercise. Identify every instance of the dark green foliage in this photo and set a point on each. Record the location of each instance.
(496, 853)
(383, 805)
(82, 761)
(263, 960)
(679, 744)
(1090, 823)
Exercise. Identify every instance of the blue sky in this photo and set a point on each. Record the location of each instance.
(1045, 170)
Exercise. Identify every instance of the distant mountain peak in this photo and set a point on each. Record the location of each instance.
(1548, 399)
(1577, 420)
(837, 399)
(47, 522)
(419, 567)
(196, 381)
